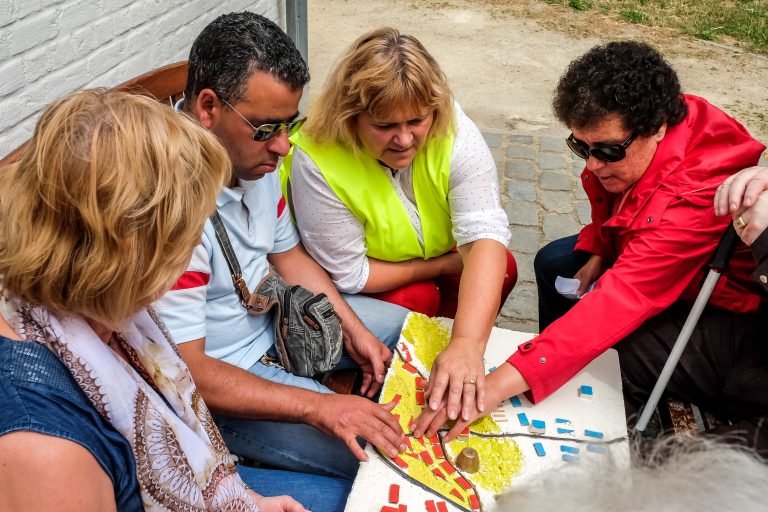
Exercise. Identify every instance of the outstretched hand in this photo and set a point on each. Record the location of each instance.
(458, 378)
(430, 421)
(503, 382)
(349, 416)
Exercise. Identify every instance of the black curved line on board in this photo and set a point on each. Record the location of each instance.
(553, 438)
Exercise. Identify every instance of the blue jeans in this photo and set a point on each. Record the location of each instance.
(557, 258)
(316, 493)
(297, 446)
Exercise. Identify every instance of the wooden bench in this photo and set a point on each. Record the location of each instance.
(165, 84)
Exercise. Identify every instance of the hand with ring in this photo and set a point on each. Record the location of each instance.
(502, 383)
(751, 222)
(745, 196)
(458, 373)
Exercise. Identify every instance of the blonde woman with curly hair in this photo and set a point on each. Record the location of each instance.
(98, 219)
(395, 193)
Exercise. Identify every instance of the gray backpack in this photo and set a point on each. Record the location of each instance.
(307, 329)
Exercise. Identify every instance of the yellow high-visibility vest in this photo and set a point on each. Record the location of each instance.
(359, 181)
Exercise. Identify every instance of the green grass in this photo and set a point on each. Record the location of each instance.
(579, 5)
(634, 16)
(746, 21)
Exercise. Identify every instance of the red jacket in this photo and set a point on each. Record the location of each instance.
(658, 244)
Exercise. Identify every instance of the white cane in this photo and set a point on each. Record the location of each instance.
(716, 267)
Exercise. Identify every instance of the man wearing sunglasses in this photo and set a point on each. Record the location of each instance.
(244, 83)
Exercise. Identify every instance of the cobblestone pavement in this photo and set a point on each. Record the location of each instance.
(542, 195)
(544, 201)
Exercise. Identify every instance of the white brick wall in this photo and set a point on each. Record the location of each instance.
(51, 47)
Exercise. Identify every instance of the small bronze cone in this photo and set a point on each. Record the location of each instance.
(468, 460)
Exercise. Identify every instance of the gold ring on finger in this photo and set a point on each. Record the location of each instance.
(470, 381)
(740, 223)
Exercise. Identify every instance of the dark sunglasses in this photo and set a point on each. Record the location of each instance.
(604, 152)
(268, 131)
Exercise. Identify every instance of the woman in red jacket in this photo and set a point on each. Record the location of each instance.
(654, 158)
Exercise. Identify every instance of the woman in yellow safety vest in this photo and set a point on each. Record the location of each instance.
(396, 194)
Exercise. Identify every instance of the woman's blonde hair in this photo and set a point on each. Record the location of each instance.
(382, 71)
(100, 215)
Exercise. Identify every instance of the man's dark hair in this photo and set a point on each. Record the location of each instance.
(627, 78)
(235, 46)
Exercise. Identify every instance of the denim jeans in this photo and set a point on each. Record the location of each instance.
(300, 447)
(316, 493)
(557, 258)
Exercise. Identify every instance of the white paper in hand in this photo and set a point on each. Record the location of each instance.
(569, 288)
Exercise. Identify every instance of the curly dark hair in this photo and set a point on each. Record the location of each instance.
(627, 78)
(236, 45)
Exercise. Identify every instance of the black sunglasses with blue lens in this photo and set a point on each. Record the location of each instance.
(601, 151)
(268, 131)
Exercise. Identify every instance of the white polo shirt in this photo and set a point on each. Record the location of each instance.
(204, 303)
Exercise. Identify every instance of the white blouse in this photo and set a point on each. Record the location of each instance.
(336, 239)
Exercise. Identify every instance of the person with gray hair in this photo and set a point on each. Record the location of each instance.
(244, 84)
(672, 474)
